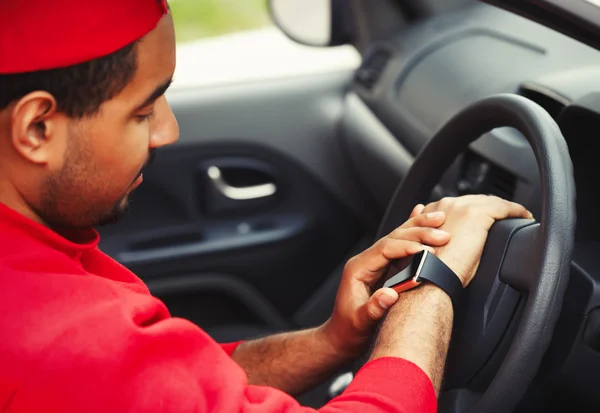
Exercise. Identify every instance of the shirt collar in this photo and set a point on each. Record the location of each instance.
(15, 227)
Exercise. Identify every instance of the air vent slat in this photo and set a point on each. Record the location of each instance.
(482, 177)
(372, 67)
(501, 183)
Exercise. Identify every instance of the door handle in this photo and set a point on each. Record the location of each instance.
(239, 193)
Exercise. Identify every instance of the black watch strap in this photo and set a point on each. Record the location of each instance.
(425, 266)
(434, 270)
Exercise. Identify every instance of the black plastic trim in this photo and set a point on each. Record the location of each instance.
(230, 285)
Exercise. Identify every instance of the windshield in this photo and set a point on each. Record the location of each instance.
(588, 10)
(579, 19)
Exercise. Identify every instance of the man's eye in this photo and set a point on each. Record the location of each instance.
(145, 116)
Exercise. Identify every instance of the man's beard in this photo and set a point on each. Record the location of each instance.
(117, 213)
(65, 204)
(122, 207)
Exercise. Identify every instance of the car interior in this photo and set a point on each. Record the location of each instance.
(244, 226)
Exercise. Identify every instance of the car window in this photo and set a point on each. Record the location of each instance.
(232, 41)
(201, 19)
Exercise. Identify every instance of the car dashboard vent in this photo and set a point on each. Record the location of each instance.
(373, 66)
(550, 100)
(479, 176)
(501, 183)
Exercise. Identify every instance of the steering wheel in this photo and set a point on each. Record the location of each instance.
(507, 315)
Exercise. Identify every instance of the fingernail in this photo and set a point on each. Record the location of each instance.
(433, 215)
(386, 301)
(439, 233)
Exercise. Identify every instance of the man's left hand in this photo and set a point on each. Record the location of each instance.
(358, 308)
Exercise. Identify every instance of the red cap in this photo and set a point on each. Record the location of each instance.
(50, 34)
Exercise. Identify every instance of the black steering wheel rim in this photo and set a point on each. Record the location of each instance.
(546, 247)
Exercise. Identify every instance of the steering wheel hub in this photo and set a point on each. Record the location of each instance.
(489, 305)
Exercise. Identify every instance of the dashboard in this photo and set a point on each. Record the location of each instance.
(413, 83)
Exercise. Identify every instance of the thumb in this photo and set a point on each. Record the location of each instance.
(374, 309)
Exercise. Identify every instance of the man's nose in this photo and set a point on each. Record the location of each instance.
(165, 129)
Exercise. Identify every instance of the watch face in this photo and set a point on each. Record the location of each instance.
(402, 276)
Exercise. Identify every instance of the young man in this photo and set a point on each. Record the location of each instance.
(82, 109)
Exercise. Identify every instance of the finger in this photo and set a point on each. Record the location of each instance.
(402, 243)
(439, 205)
(501, 209)
(367, 266)
(429, 208)
(393, 249)
(494, 206)
(418, 210)
(428, 236)
(396, 249)
(374, 309)
(432, 219)
(518, 211)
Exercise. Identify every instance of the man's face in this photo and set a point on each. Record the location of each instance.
(97, 161)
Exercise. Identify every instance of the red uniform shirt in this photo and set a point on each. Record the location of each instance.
(80, 333)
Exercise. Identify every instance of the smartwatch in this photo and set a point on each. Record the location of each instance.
(425, 266)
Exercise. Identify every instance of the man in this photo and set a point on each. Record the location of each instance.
(82, 109)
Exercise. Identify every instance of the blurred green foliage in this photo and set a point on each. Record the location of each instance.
(196, 19)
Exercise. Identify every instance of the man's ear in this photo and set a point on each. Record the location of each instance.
(35, 129)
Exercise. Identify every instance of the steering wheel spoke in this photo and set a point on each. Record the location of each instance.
(517, 268)
(457, 401)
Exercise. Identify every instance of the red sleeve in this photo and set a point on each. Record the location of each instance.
(397, 384)
(138, 359)
(229, 348)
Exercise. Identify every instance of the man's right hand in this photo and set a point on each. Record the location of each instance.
(468, 220)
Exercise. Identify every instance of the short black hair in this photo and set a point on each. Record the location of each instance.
(80, 89)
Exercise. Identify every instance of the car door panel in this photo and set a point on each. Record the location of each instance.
(296, 116)
(247, 219)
